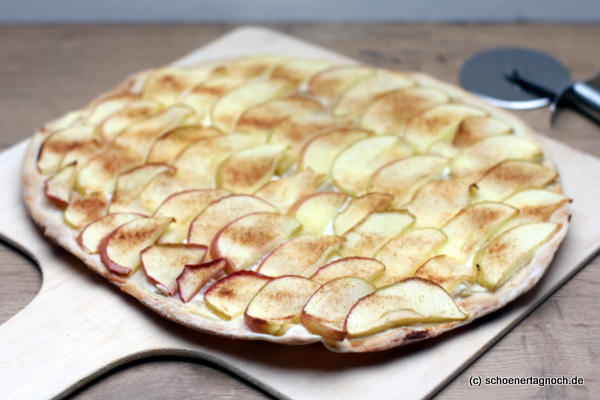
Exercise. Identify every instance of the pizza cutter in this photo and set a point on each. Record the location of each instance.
(522, 79)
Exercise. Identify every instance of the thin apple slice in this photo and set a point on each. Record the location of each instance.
(328, 84)
(220, 213)
(166, 84)
(202, 97)
(300, 71)
(358, 209)
(135, 112)
(317, 211)
(91, 236)
(248, 238)
(262, 118)
(354, 166)
(401, 304)
(198, 163)
(534, 205)
(167, 147)
(437, 124)
(294, 131)
(59, 186)
(388, 113)
(475, 160)
(120, 250)
(85, 208)
(402, 178)
(229, 297)
(184, 207)
(320, 151)
(284, 192)
(365, 239)
(300, 256)
(195, 277)
(360, 267)
(405, 253)
(279, 303)
(248, 170)
(130, 185)
(253, 66)
(511, 251)
(446, 272)
(163, 263)
(129, 150)
(326, 311)
(62, 143)
(158, 190)
(473, 129)
(436, 202)
(106, 107)
(229, 108)
(471, 227)
(360, 95)
(68, 120)
(509, 177)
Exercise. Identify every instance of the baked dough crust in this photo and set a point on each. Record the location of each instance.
(50, 219)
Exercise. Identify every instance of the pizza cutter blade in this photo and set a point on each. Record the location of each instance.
(523, 79)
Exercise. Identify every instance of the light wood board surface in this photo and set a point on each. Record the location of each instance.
(578, 352)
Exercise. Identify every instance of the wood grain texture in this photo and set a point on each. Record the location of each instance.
(40, 77)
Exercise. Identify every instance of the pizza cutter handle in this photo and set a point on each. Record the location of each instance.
(63, 339)
(582, 97)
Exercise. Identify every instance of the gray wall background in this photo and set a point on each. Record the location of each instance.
(140, 11)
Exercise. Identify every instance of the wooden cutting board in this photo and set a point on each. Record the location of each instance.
(79, 326)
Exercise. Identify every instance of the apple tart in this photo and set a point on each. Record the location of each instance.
(297, 200)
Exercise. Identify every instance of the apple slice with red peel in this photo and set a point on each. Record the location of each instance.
(359, 96)
(284, 192)
(130, 185)
(247, 238)
(402, 178)
(228, 109)
(120, 250)
(197, 164)
(248, 170)
(358, 209)
(167, 147)
(316, 211)
(59, 187)
(365, 239)
(509, 177)
(262, 118)
(360, 267)
(163, 263)
(388, 113)
(300, 256)
(184, 207)
(229, 296)
(221, 212)
(437, 202)
(320, 150)
(279, 303)
(401, 304)
(324, 314)
(195, 277)
(354, 166)
(91, 236)
(405, 253)
(85, 208)
(328, 84)
(300, 71)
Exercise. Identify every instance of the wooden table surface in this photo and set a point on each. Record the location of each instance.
(48, 70)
